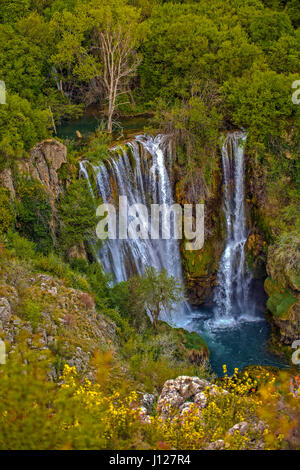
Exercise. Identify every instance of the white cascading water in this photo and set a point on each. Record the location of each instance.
(139, 171)
(232, 291)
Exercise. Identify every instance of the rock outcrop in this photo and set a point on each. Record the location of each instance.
(42, 163)
(67, 323)
(201, 266)
(181, 393)
(45, 159)
(6, 180)
(283, 289)
(186, 397)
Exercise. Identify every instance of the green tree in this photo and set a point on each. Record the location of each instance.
(11, 10)
(77, 213)
(158, 292)
(261, 102)
(21, 127)
(98, 45)
(34, 213)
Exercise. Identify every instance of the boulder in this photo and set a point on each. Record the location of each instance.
(216, 445)
(242, 428)
(148, 401)
(176, 392)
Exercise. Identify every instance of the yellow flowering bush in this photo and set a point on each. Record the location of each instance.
(196, 429)
(76, 413)
(118, 414)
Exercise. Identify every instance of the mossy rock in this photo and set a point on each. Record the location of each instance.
(190, 345)
(201, 262)
(273, 287)
(279, 304)
(193, 340)
(294, 280)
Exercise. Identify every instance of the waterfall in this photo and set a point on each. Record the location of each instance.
(138, 170)
(233, 283)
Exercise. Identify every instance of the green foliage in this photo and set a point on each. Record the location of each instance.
(194, 124)
(25, 394)
(11, 10)
(269, 26)
(23, 57)
(31, 312)
(124, 297)
(20, 246)
(98, 147)
(286, 251)
(21, 127)
(77, 213)
(279, 304)
(7, 216)
(34, 213)
(194, 341)
(156, 292)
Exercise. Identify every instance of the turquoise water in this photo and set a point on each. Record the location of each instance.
(236, 345)
(88, 123)
(238, 341)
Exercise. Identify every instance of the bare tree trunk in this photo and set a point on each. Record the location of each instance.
(119, 62)
(110, 116)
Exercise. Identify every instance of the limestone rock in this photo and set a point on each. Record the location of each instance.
(46, 158)
(5, 309)
(259, 427)
(176, 392)
(216, 445)
(148, 401)
(67, 326)
(241, 427)
(189, 407)
(143, 415)
(6, 181)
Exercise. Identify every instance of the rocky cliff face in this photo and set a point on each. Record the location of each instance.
(283, 289)
(201, 266)
(6, 180)
(48, 315)
(43, 163)
(270, 261)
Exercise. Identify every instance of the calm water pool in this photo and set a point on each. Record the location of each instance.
(88, 123)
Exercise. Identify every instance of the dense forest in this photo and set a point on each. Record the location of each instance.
(85, 366)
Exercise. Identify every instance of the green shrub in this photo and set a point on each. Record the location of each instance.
(98, 148)
(7, 217)
(77, 213)
(34, 213)
(21, 247)
(31, 312)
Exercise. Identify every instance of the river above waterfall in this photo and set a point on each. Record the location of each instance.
(88, 123)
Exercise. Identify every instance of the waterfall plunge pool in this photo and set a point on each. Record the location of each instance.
(239, 340)
(236, 344)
